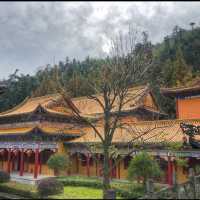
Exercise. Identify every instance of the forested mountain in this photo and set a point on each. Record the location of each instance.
(176, 63)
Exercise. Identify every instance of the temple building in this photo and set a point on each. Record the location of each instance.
(39, 127)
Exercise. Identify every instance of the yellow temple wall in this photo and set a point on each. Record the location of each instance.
(82, 170)
(123, 172)
(181, 176)
(4, 165)
(46, 170)
(61, 148)
(188, 108)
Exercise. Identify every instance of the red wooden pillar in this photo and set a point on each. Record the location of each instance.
(77, 164)
(97, 162)
(9, 158)
(119, 170)
(40, 162)
(88, 164)
(36, 163)
(21, 163)
(172, 171)
(169, 171)
(69, 171)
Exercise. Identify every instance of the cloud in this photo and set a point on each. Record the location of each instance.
(34, 33)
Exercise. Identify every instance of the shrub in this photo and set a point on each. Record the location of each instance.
(197, 169)
(19, 189)
(58, 162)
(84, 182)
(143, 166)
(4, 177)
(50, 186)
(175, 146)
(181, 162)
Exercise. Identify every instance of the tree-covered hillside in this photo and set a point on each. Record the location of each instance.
(176, 62)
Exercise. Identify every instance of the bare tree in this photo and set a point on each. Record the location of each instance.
(130, 58)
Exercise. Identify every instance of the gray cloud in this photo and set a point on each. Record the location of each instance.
(33, 33)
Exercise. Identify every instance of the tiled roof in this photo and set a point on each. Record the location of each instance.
(145, 132)
(29, 105)
(180, 90)
(21, 130)
(86, 106)
(49, 129)
(89, 107)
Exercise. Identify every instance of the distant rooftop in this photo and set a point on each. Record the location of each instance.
(181, 91)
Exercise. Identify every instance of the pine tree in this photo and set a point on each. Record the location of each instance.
(182, 72)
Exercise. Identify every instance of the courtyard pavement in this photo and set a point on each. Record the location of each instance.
(27, 178)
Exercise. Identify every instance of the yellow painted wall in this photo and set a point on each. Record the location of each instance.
(123, 172)
(46, 171)
(181, 176)
(61, 148)
(83, 169)
(188, 108)
(4, 165)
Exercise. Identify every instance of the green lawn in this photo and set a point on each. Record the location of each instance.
(71, 192)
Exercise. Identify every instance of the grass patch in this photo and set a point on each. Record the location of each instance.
(71, 192)
(123, 188)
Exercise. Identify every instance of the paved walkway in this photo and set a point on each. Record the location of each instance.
(27, 178)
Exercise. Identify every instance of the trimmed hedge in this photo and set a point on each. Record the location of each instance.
(4, 177)
(22, 193)
(81, 182)
(50, 186)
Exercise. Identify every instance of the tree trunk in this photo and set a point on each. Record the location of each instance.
(106, 173)
(56, 172)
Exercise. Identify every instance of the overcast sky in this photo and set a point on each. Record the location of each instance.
(34, 34)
